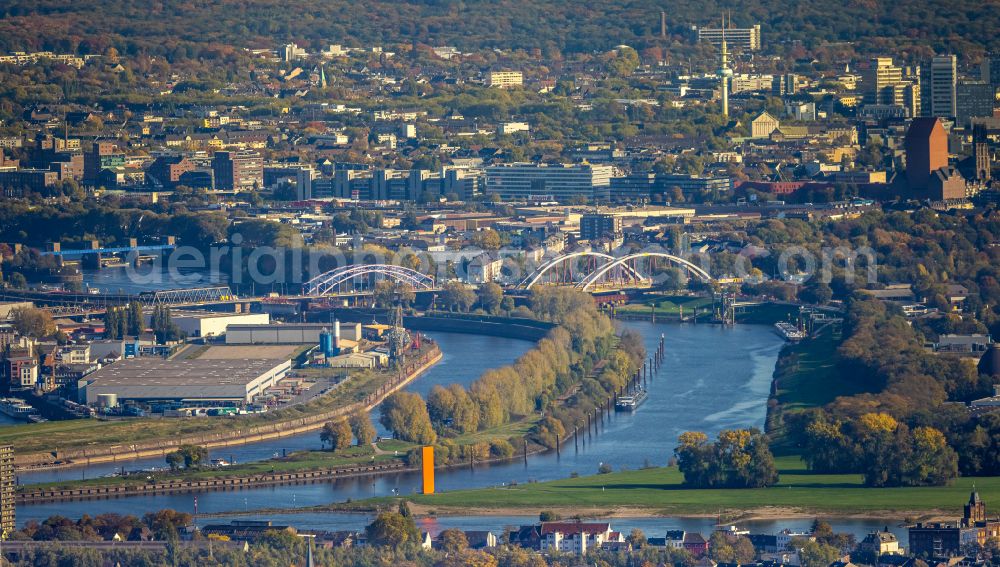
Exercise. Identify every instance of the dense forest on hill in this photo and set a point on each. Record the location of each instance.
(184, 28)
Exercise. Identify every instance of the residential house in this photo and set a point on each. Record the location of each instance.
(22, 371)
(881, 543)
(576, 537)
(528, 537)
(695, 544)
(484, 268)
(674, 539)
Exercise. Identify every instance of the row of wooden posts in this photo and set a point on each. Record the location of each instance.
(638, 381)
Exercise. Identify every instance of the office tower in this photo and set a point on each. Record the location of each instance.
(926, 147)
(990, 70)
(878, 79)
(884, 83)
(7, 486)
(785, 84)
(943, 78)
(239, 171)
(973, 99)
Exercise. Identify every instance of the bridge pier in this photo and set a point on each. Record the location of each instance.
(56, 248)
(166, 253)
(92, 260)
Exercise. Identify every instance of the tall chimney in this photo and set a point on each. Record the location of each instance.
(663, 24)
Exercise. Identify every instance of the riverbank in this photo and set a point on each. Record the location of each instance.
(365, 393)
(661, 492)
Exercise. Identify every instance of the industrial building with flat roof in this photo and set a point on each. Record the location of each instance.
(203, 380)
(211, 323)
(288, 333)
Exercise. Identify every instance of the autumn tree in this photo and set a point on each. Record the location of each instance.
(33, 322)
(405, 414)
(490, 295)
(392, 529)
(337, 434)
(362, 428)
(457, 296)
(740, 458)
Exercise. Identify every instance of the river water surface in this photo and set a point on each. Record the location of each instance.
(713, 378)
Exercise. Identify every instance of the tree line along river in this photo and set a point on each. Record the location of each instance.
(713, 378)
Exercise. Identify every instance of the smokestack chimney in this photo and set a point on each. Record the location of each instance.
(663, 24)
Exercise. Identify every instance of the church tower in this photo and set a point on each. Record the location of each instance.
(975, 510)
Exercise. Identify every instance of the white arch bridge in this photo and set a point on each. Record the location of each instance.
(361, 274)
(588, 270)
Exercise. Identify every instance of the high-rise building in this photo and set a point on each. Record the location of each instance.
(784, 84)
(889, 85)
(942, 78)
(742, 38)
(990, 70)
(7, 487)
(973, 99)
(596, 226)
(926, 145)
(240, 171)
(878, 78)
(560, 182)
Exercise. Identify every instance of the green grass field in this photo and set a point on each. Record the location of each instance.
(806, 377)
(660, 490)
(671, 305)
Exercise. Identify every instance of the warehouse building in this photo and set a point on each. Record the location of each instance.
(287, 334)
(370, 359)
(196, 380)
(212, 323)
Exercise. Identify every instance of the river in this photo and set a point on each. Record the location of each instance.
(713, 378)
(455, 366)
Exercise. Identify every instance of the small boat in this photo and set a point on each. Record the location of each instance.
(789, 332)
(630, 403)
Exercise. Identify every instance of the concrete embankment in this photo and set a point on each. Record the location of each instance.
(277, 430)
(37, 496)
